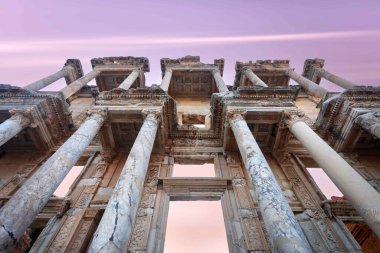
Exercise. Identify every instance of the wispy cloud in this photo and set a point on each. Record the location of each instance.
(135, 41)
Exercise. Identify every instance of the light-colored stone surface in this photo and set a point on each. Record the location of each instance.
(310, 87)
(19, 212)
(336, 79)
(254, 78)
(12, 126)
(284, 231)
(40, 84)
(115, 228)
(75, 86)
(166, 80)
(358, 191)
(127, 83)
(219, 80)
(370, 122)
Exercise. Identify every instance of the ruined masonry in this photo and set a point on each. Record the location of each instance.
(260, 133)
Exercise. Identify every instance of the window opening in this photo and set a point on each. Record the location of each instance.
(327, 187)
(195, 226)
(194, 170)
(68, 181)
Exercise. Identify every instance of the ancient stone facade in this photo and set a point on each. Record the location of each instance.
(260, 133)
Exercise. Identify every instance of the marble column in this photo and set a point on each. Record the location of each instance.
(75, 86)
(283, 229)
(127, 83)
(19, 212)
(11, 127)
(310, 87)
(166, 79)
(370, 122)
(364, 198)
(336, 79)
(40, 84)
(253, 78)
(115, 227)
(219, 80)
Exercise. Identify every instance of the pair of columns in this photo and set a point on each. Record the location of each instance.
(220, 84)
(313, 88)
(19, 212)
(283, 228)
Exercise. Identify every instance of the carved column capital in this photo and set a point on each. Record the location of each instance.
(290, 117)
(22, 116)
(235, 115)
(151, 114)
(98, 114)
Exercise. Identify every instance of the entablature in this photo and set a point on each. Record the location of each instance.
(50, 119)
(271, 72)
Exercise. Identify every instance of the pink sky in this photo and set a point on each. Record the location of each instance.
(36, 37)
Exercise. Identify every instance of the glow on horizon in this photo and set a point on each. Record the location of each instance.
(99, 42)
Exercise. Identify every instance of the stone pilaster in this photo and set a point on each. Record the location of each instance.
(11, 127)
(355, 188)
(40, 84)
(75, 86)
(127, 83)
(284, 231)
(370, 122)
(219, 80)
(115, 228)
(19, 212)
(336, 79)
(255, 80)
(309, 86)
(166, 80)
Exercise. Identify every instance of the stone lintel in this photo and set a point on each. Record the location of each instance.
(190, 63)
(127, 62)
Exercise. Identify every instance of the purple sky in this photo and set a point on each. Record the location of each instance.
(37, 36)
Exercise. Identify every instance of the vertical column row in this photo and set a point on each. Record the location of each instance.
(284, 231)
(18, 213)
(115, 228)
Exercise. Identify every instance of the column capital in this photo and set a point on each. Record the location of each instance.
(235, 115)
(215, 70)
(22, 116)
(291, 117)
(168, 70)
(151, 114)
(92, 113)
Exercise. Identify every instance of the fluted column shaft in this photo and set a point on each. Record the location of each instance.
(255, 80)
(75, 86)
(310, 87)
(356, 189)
(14, 125)
(115, 228)
(166, 80)
(279, 220)
(370, 122)
(219, 80)
(127, 83)
(336, 79)
(19, 212)
(40, 84)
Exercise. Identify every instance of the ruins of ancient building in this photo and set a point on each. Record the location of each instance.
(260, 133)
